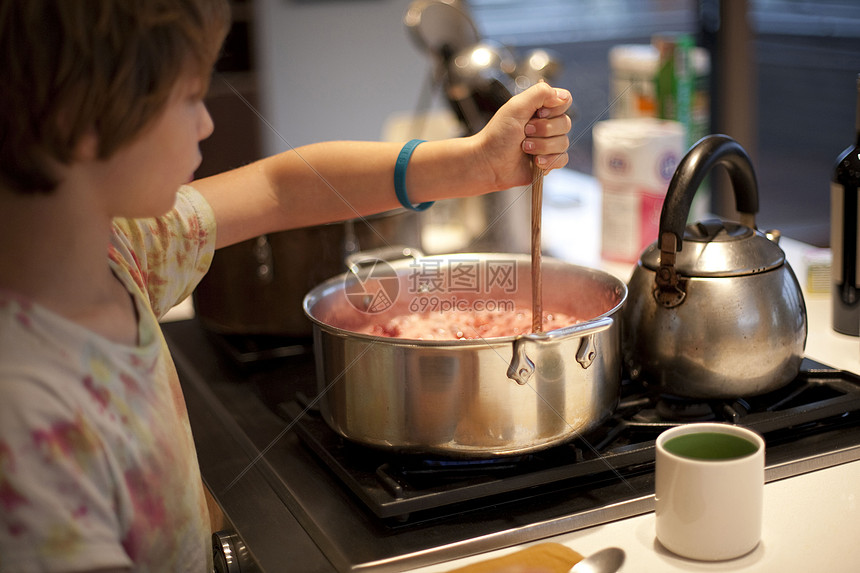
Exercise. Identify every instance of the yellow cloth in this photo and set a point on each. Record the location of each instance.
(549, 557)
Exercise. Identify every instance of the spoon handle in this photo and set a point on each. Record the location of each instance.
(537, 279)
(607, 560)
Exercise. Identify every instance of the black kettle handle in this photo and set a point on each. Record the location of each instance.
(708, 152)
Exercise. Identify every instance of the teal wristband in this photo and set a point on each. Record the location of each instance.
(400, 176)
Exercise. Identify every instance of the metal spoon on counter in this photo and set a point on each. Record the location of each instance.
(607, 560)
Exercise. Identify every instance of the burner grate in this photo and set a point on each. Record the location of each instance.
(407, 488)
(397, 486)
(257, 349)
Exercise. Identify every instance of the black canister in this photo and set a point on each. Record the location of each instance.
(845, 268)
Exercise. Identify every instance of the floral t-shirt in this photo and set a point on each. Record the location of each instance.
(97, 463)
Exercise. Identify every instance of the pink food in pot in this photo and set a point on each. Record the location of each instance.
(465, 325)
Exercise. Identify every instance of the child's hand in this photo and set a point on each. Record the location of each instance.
(532, 124)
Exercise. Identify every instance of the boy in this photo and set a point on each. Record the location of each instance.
(101, 106)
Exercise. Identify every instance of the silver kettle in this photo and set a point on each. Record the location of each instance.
(714, 310)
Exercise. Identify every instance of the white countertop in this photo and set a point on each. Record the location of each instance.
(811, 521)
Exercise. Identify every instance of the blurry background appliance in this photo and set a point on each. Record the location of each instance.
(477, 76)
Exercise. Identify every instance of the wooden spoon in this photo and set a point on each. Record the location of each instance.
(537, 282)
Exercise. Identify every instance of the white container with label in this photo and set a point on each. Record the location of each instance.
(634, 160)
(632, 91)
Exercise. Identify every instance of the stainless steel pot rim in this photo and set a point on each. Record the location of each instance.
(336, 283)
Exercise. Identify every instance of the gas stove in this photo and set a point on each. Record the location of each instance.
(297, 493)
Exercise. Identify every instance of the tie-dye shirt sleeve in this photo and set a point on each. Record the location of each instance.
(168, 255)
(97, 462)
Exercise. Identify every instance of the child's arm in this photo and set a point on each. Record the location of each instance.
(334, 181)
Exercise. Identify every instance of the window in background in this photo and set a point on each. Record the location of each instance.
(805, 57)
(581, 33)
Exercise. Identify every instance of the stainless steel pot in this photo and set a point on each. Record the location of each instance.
(256, 287)
(467, 398)
(715, 310)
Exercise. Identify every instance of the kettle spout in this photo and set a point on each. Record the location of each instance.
(774, 235)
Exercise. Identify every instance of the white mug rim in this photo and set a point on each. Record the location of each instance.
(716, 427)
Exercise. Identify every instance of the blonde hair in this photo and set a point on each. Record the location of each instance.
(71, 66)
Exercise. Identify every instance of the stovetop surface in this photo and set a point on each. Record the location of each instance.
(400, 486)
(294, 490)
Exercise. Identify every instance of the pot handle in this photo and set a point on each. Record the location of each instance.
(705, 154)
(355, 261)
(522, 367)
